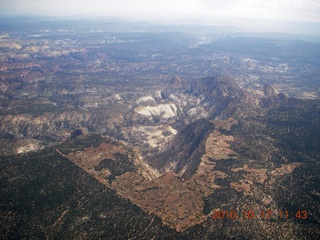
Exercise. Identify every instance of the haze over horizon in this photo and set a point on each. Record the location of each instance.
(288, 10)
(211, 12)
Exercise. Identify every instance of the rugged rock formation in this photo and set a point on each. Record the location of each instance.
(173, 86)
(283, 100)
(185, 150)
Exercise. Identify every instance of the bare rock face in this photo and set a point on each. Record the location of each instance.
(219, 96)
(216, 86)
(163, 110)
(173, 86)
(175, 82)
(282, 99)
(269, 91)
(28, 145)
(185, 150)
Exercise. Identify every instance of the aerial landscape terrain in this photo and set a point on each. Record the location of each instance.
(114, 129)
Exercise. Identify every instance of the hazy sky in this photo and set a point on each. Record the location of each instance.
(166, 10)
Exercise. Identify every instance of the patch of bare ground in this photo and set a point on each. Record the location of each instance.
(225, 124)
(284, 169)
(252, 174)
(242, 186)
(217, 144)
(92, 156)
(205, 176)
(179, 204)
